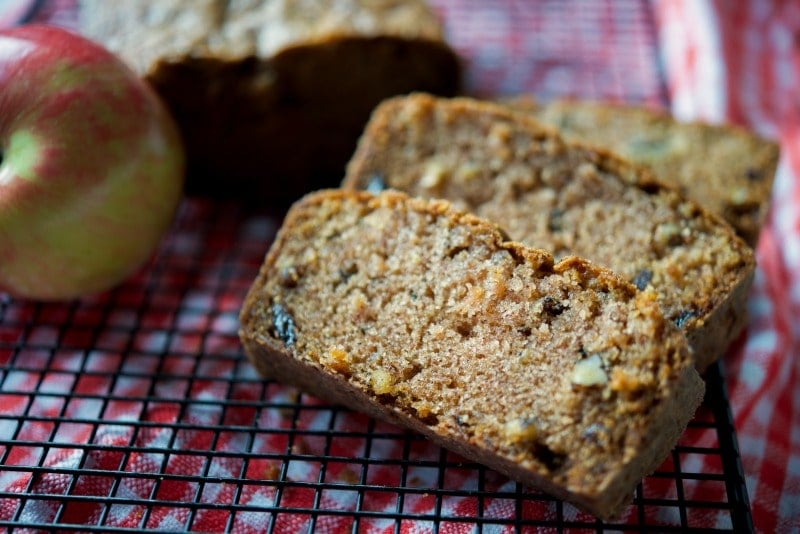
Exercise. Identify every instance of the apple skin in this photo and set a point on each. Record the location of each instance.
(92, 166)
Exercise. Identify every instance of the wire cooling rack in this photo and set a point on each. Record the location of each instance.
(137, 409)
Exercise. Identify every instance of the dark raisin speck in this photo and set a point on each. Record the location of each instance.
(596, 433)
(376, 184)
(289, 276)
(346, 271)
(684, 317)
(642, 278)
(550, 458)
(556, 221)
(552, 307)
(651, 188)
(753, 174)
(283, 324)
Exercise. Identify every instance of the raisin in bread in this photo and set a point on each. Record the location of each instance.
(271, 95)
(724, 168)
(561, 376)
(568, 199)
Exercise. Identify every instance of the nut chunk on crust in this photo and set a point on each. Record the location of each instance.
(560, 375)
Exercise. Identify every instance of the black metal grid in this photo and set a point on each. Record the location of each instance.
(155, 347)
(137, 409)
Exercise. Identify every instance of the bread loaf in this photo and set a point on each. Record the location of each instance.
(724, 168)
(560, 375)
(271, 95)
(567, 198)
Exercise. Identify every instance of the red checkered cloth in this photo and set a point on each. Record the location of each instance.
(740, 62)
(722, 60)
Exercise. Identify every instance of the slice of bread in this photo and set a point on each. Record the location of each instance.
(560, 375)
(724, 168)
(271, 96)
(569, 199)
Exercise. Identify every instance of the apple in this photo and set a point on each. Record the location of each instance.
(91, 166)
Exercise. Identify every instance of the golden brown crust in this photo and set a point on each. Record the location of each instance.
(272, 96)
(724, 168)
(560, 375)
(150, 32)
(568, 198)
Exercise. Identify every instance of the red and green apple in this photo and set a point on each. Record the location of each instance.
(91, 166)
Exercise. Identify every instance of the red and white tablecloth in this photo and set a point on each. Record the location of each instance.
(722, 61)
(740, 62)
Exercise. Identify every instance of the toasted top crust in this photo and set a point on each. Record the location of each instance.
(271, 95)
(561, 372)
(565, 197)
(725, 168)
(146, 32)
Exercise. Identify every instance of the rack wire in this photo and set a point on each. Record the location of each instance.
(182, 426)
(137, 409)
